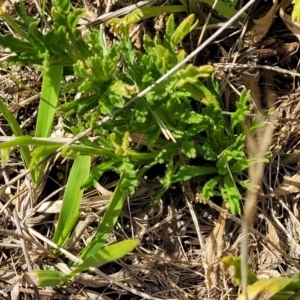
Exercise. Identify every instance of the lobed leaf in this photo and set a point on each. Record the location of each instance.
(184, 28)
(231, 195)
(238, 116)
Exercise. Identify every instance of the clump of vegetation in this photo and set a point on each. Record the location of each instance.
(107, 78)
(182, 121)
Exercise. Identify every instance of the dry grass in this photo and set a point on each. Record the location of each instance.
(182, 240)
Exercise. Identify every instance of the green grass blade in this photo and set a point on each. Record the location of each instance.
(16, 130)
(49, 98)
(223, 9)
(109, 220)
(47, 105)
(43, 278)
(26, 141)
(72, 198)
(109, 254)
(16, 28)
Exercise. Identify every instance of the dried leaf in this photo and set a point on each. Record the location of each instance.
(269, 257)
(262, 26)
(290, 185)
(294, 27)
(8, 276)
(54, 207)
(213, 249)
(15, 289)
(50, 207)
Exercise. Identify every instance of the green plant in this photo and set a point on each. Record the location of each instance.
(108, 78)
(281, 288)
(296, 11)
(55, 52)
(208, 133)
(43, 278)
(225, 9)
(196, 133)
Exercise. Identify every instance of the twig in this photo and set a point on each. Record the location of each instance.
(25, 251)
(250, 66)
(195, 221)
(257, 148)
(120, 12)
(11, 233)
(204, 28)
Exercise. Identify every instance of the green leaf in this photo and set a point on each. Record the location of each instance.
(242, 109)
(170, 27)
(191, 75)
(44, 278)
(188, 149)
(72, 199)
(155, 11)
(281, 288)
(201, 93)
(109, 220)
(15, 26)
(5, 156)
(41, 152)
(103, 256)
(223, 9)
(233, 266)
(18, 46)
(97, 172)
(27, 140)
(188, 172)
(81, 105)
(231, 195)
(121, 26)
(296, 11)
(209, 186)
(16, 130)
(49, 99)
(185, 27)
(63, 4)
(131, 180)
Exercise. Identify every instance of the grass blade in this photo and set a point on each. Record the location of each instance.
(16, 130)
(72, 198)
(109, 220)
(26, 141)
(47, 106)
(43, 278)
(49, 98)
(110, 253)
